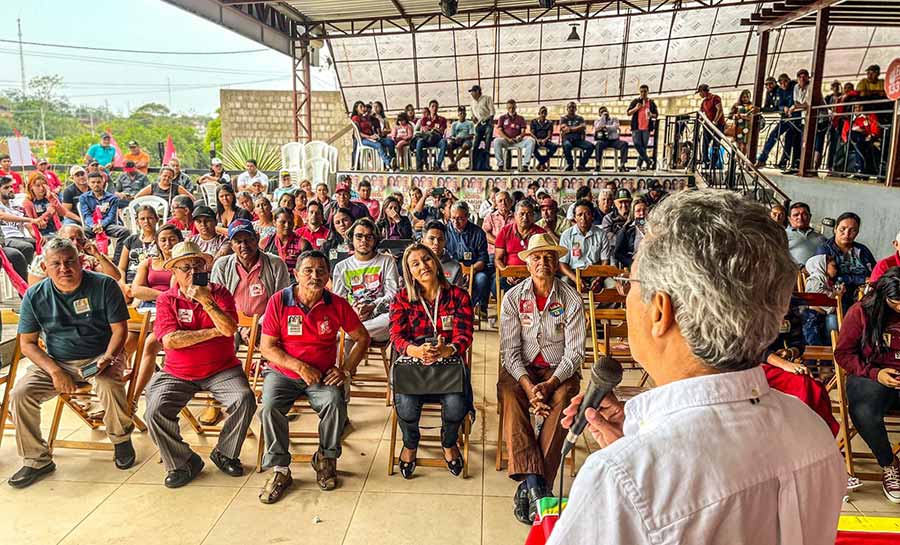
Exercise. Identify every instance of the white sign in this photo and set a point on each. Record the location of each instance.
(19, 151)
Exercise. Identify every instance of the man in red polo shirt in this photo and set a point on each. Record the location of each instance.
(513, 238)
(196, 323)
(6, 170)
(511, 134)
(299, 340)
(314, 231)
(882, 266)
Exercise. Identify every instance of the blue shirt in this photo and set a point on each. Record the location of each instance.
(108, 204)
(468, 246)
(462, 129)
(103, 155)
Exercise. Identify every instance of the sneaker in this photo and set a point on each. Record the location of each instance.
(853, 483)
(890, 483)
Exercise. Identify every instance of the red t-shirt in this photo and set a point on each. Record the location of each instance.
(250, 292)
(175, 312)
(315, 238)
(511, 125)
(643, 116)
(508, 239)
(308, 334)
(438, 122)
(882, 267)
(539, 360)
(364, 124)
(710, 107)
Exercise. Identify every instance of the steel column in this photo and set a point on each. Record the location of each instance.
(807, 150)
(762, 59)
(302, 87)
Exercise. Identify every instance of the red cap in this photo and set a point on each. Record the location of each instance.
(128, 169)
(548, 202)
(342, 186)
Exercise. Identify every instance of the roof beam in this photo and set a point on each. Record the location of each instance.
(798, 13)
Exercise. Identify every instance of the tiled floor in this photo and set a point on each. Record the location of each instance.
(87, 501)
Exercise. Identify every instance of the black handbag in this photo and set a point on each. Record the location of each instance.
(410, 376)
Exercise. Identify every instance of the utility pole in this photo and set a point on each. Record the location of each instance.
(21, 57)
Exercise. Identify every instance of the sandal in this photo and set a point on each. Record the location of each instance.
(407, 468)
(275, 487)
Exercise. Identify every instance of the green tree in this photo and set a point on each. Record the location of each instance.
(214, 133)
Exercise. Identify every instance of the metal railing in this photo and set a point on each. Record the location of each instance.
(697, 146)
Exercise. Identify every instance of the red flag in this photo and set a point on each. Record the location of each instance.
(170, 151)
(119, 160)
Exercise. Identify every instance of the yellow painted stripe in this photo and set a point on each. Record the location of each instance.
(856, 523)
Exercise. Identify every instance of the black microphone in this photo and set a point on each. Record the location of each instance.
(606, 374)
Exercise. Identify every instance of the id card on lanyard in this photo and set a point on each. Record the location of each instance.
(434, 317)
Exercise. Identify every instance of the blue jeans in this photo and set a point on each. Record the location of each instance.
(817, 327)
(481, 145)
(787, 128)
(869, 401)
(409, 410)
(481, 288)
(587, 150)
(543, 157)
(384, 147)
(429, 140)
(641, 139)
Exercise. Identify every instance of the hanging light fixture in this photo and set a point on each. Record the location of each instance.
(573, 35)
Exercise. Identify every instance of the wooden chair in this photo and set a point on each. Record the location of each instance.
(614, 325)
(823, 353)
(372, 385)
(469, 274)
(204, 399)
(85, 394)
(581, 276)
(848, 431)
(432, 410)
(513, 271)
(8, 380)
(802, 275)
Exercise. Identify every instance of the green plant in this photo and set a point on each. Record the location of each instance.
(236, 153)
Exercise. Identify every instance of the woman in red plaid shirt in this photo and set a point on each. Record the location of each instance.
(284, 242)
(430, 308)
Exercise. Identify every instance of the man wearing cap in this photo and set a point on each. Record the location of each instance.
(482, 108)
(299, 340)
(246, 178)
(585, 242)
(655, 193)
(139, 157)
(770, 104)
(550, 220)
(6, 170)
(784, 101)
(871, 86)
(181, 178)
(53, 182)
(364, 190)
(102, 152)
(81, 317)
(617, 218)
(542, 332)
(216, 173)
(209, 241)
(711, 106)
(342, 200)
(196, 325)
(286, 185)
(99, 209)
(72, 192)
(130, 182)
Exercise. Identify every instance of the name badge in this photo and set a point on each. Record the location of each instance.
(527, 319)
(185, 315)
(887, 339)
(320, 242)
(446, 322)
(256, 290)
(82, 305)
(556, 309)
(576, 250)
(467, 256)
(526, 306)
(332, 254)
(785, 326)
(295, 325)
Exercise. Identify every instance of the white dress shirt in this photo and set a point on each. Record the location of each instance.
(718, 459)
(482, 108)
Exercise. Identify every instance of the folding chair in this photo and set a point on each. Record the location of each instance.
(848, 431)
(824, 352)
(205, 398)
(431, 410)
(85, 394)
(8, 380)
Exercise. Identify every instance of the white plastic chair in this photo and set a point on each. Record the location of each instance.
(159, 204)
(208, 191)
(128, 220)
(314, 149)
(317, 170)
(365, 155)
(293, 156)
(333, 159)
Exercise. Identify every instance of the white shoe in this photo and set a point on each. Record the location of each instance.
(890, 483)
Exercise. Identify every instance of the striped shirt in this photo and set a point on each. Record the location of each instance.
(557, 333)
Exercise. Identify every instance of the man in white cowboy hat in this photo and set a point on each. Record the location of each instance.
(196, 323)
(542, 343)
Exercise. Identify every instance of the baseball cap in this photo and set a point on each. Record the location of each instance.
(94, 163)
(75, 170)
(475, 88)
(132, 143)
(873, 68)
(104, 135)
(284, 173)
(129, 166)
(703, 87)
(623, 195)
(43, 162)
(541, 191)
(548, 202)
(240, 226)
(343, 186)
(215, 161)
(771, 79)
(203, 212)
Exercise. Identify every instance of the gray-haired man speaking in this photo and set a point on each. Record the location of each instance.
(711, 454)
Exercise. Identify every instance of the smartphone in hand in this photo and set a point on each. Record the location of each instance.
(200, 279)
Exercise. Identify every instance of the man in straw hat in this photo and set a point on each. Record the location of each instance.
(542, 342)
(196, 323)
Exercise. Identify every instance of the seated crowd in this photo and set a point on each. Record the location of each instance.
(321, 263)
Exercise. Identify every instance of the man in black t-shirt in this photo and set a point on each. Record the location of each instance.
(85, 313)
(72, 192)
(571, 130)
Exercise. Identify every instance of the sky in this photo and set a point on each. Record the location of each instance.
(124, 81)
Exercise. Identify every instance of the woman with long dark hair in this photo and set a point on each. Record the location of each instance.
(392, 224)
(869, 350)
(283, 241)
(369, 134)
(336, 246)
(431, 322)
(855, 261)
(227, 209)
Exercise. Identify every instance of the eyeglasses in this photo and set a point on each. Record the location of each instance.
(190, 268)
(625, 282)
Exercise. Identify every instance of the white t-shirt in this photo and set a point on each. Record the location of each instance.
(12, 229)
(244, 181)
